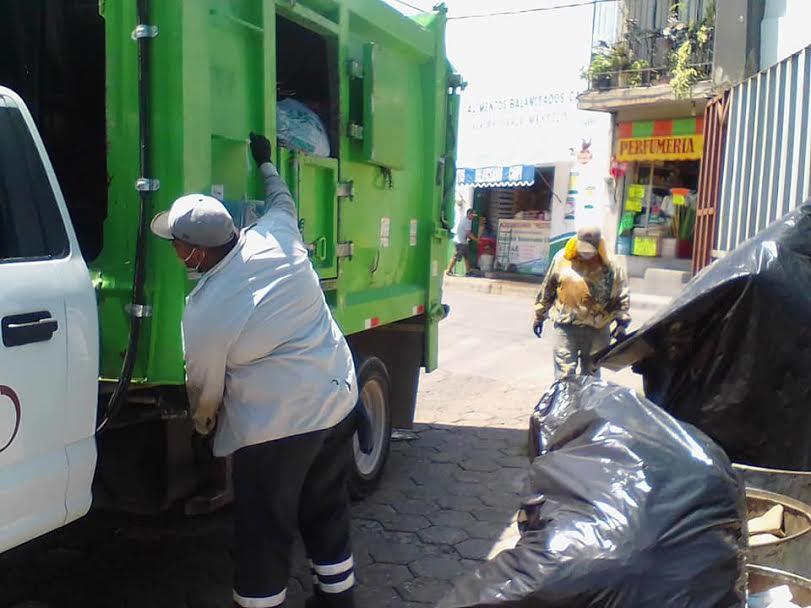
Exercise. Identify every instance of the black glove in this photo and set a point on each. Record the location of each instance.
(364, 428)
(537, 328)
(620, 330)
(260, 148)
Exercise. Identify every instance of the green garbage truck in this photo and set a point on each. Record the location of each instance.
(110, 109)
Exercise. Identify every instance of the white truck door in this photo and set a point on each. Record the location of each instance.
(49, 344)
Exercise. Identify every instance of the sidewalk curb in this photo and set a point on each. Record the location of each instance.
(639, 301)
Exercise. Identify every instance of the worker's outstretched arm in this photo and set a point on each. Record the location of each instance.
(277, 194)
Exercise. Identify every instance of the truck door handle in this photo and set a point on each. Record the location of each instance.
(318, 249)
(28, 328)
(321, 249)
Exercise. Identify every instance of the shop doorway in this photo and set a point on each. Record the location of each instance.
(514, 225)
(659, 212)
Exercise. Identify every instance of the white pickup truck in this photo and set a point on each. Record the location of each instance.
(49, 353)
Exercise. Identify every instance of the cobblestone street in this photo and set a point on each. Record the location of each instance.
(450, 492)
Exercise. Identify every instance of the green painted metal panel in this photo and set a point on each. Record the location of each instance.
(316, 195)
(214, 80)
(442, 123)
(385, 101)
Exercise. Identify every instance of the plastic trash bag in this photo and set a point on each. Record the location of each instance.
(732, 353)
(626, 507)
(778, 597)
(300, 129)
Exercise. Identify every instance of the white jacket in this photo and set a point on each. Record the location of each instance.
(259, 339)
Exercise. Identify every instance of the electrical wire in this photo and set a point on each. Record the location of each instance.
(411, 6)
(538, 9)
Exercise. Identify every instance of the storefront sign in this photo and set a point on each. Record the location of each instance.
(635, 200)
(680, 147)
(523, 244)
(584, 156)
(518, 129)
(515, 175)
(636, 191)
(633, 204)
(646, 246)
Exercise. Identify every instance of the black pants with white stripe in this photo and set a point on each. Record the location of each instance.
(295, 483)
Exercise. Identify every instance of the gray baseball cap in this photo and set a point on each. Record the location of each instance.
(588, 239)
(196, 219)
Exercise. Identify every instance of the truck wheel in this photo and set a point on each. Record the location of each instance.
(374, 390)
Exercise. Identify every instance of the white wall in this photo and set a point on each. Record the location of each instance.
(523, 74)
(786, 29)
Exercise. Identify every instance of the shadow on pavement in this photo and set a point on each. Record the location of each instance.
(446, 498)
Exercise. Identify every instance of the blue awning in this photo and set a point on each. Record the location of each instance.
(499, 177)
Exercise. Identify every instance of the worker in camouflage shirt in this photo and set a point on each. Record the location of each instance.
(583, 293)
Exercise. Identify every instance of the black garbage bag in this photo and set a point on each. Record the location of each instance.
(732, 354)
(626, 507)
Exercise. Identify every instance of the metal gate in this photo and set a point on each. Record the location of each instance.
(765, 172)
(709, 181)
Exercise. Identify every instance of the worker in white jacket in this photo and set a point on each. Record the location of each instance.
(270, 373)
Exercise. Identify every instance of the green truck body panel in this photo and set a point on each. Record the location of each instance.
(214, 79)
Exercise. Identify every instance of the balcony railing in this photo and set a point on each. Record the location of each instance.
(659, 51)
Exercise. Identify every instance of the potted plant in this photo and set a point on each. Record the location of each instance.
(621, 55)
(600, 72)
(639, 73)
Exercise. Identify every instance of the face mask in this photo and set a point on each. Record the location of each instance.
(192, 273)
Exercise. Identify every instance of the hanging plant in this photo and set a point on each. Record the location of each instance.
(691, 43)
(683, 74)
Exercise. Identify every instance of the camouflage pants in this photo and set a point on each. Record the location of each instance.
(578, 343)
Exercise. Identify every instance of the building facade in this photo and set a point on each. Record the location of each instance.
(655, 74)
(529, 160)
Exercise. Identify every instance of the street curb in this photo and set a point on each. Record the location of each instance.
(639, 301)
(491, 286)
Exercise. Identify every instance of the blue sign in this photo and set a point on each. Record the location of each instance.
(515, 175)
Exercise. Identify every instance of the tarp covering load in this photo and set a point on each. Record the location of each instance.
(626, 507)
(732, 354)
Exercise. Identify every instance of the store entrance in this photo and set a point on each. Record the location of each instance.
(514, 225)
(659, 212)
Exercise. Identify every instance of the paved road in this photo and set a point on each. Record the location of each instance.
(448, 496)
(487, 344)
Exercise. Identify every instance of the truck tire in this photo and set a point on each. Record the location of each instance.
(375, 392)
